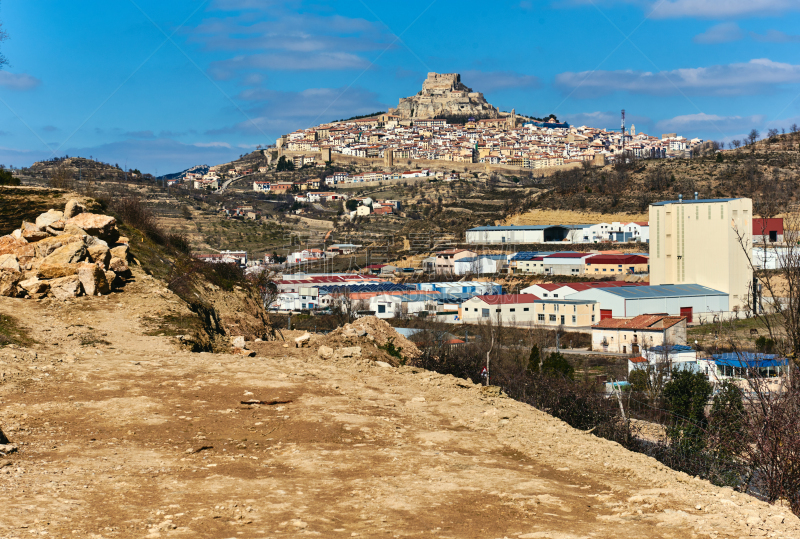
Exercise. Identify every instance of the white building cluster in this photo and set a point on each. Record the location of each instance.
(494, 141)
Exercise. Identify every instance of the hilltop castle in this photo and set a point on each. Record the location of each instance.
(443, 94)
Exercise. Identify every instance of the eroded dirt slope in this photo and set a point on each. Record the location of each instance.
(122, 434)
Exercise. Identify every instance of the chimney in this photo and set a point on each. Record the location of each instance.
(680, 199)
(695, 195)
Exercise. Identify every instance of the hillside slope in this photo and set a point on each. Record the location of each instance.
(123, 434)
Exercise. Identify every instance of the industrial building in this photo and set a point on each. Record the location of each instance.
(528, 310)
(523, 234)
(701, 242)
(768, 230)
(616, 264)
(687, 300)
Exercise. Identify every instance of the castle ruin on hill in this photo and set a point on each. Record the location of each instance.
(443, 94)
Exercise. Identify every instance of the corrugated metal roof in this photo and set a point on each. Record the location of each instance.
(508, 299)
(749, 359)
(663, 291)
(692, 201)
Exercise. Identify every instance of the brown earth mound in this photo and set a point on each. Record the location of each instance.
(368, 338)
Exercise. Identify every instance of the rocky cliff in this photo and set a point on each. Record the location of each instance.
(443, 94)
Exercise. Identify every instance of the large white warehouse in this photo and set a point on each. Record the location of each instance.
(682, 300)
(524, 234)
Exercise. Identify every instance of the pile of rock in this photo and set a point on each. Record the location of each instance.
(367, 338)
(64, 255)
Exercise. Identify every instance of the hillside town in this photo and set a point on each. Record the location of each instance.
(503, 139)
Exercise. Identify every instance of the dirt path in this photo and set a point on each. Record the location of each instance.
(120, 434)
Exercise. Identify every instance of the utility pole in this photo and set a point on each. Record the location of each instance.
(623, 136)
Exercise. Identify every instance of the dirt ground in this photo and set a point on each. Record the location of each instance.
(122, 434)
(550, 217)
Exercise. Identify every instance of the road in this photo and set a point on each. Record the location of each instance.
(225, 185)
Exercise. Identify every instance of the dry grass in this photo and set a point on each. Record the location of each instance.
(560, 217)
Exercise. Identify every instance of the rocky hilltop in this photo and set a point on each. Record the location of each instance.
(443, 94)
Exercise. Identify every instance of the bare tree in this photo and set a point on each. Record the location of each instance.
(3, 37)
(752, 138)
(775, 292)
(736, 143)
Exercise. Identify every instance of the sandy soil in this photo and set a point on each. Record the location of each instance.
(122, 434)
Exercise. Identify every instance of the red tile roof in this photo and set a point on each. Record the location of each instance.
(643, 321)
(639, 359)
(509, 299)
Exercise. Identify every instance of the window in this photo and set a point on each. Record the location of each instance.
(541, 318)
(555, 295)
(497, 310)
(381, 309)
(562, 318)
(512, 310)
(592, 318)
(552, 318)
(526, 309)
(574, 308)
(574, 319)
(485, 313)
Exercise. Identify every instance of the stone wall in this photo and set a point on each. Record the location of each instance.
(435, 164)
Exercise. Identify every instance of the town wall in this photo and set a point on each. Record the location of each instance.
(433, 164)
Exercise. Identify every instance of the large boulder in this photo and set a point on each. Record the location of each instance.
(9, 279)
(66, 287)
(17, 235)
(9, 261)
(71, 253)
(9, 244)
(73, 230)
(56, 271)
(102, 226)
(32, 233)
(119, 266)
(112, 280)
(120, 251)
(93, 279)
(26, 253)
(73, 208)
(34, 287)
(56, 228)
(49, 218)
(99, 254)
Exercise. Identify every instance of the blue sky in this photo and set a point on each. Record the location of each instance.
(164, 85)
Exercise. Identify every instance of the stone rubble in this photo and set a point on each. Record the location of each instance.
(64, 255)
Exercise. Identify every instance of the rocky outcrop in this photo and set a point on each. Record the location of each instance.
(442, 95)
(63, 255)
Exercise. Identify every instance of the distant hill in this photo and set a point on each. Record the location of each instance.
(197, 169)
(76, 167)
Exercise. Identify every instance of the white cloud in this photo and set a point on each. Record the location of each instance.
(753, 77)
(492, 81)
(703, 9)
(227, 69)
(725, 32)
(273, 113)
(274, 40)
(702, 122)
(719, 9)
(212, 144)
(775, 36)
(18, 81)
